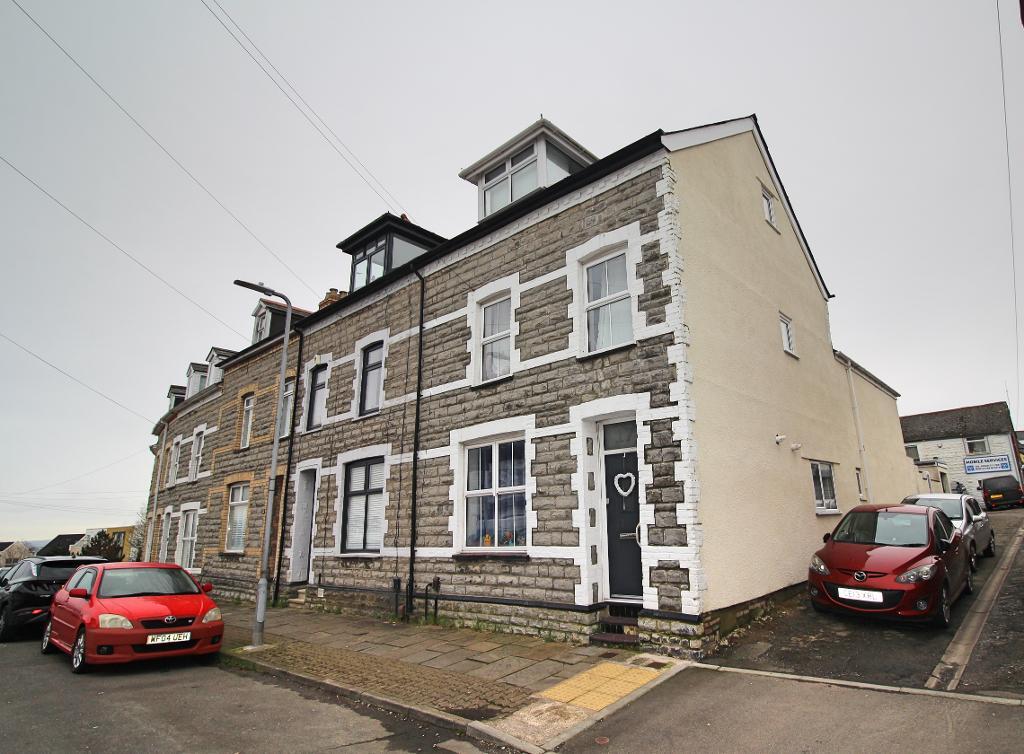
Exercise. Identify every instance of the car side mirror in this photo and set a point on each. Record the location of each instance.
(79, 593)
(826, 537)
(207, 587)
(3, 582)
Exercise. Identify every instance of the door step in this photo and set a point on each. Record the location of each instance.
(618, 626)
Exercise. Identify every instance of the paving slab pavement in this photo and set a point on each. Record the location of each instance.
(520, 690)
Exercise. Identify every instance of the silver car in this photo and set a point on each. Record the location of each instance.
(967, 515)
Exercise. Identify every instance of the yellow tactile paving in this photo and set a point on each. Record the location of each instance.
(600, 686)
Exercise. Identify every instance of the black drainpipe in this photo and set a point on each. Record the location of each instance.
(410, 588)
(287, 472)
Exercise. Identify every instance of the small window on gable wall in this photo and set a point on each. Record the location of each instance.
(496, 339)
(609, 305)
(977, 444)
(768, 204)
(788, 339)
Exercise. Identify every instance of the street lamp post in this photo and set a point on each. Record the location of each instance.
(261, 587)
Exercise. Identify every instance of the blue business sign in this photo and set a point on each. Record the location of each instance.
(986, 464)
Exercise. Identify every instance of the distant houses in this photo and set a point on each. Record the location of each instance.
(12, 552)
(60, 545)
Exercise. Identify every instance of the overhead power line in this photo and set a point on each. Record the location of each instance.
(69, 508)
(117, 246)
(164, 149)
(71, 377)
(80, 476)
(394, 203)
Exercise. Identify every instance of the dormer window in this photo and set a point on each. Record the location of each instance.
(268, 319)
(385, 244)
(540, 156)
(196, 378)
(261, 326)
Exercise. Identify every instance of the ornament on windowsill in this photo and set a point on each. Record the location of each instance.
(487, 540)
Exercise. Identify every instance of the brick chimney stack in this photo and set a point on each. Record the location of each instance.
(332, 296)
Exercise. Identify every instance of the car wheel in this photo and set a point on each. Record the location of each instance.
(969, 582)
(78, 664)
(6, 629)
(973, 559)
(990, 551)
(944, 613)
(45, 646)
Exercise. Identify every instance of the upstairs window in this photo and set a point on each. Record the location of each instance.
(768, 205)
(496, 502)
(188, 527)
(197, 456)
(609, 305)
(976, 445)
(316, 408)
(786, 329)
(248, 408)
(496, 340)
(260, 327)
(511, 180)
(288, 401)
(369, 264)
(912, 452)
(172, 464)
(370, 387)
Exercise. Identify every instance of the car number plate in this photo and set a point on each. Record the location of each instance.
(996, 497)
(861, 595)
(168, 638)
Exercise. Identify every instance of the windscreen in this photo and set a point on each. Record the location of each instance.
(886, 528)
(145, 582)
(1000, 483)
(951, 508)
(57, 569)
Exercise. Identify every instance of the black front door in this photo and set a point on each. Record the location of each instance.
(623, 515)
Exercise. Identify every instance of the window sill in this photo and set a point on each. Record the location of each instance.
(773, 226)
(791, 353)
(827, 512)
(234, 553)
(606, 351)
(363, 417)
(374, 555)
(491, 554)
(491, 383)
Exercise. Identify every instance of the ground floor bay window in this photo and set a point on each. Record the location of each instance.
(495, 495)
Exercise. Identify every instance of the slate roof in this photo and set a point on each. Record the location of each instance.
(987, 419)
(59, 545)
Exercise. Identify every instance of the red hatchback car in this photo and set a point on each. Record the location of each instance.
(896, 561)
(121, 612)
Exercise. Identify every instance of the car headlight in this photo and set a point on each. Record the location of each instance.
(921, 573)
(212, 615)
(818, 566)
(112, 620)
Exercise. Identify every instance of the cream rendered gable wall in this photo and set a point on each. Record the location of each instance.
(739, 274)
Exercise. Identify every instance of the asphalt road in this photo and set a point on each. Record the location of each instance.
(795, 639)
(701, 710)
(181, 706)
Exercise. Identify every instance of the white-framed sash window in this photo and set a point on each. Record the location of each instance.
(609, 316)
(495, 495)
(238, 513)
(496, 339)
(287, 408)
(188, 526)
(248, 408)
(196, 461)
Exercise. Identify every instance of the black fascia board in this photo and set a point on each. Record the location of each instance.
(615, 161)
(389, 223)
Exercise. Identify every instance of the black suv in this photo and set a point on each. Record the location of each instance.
(28, 588)
(1001, 492)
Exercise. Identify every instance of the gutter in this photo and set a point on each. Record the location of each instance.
(287, 474)
(410, 586)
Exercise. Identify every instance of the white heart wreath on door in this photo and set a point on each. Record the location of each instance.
(618, 480)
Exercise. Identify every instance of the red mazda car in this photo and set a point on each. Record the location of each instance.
(121, 612)
(897, 561)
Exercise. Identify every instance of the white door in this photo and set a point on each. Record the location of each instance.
(302, 526)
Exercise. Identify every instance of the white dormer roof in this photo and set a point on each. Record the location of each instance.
(537, 157)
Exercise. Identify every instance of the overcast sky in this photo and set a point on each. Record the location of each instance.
(884, 118)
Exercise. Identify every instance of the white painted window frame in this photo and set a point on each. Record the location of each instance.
(768, 202)
(172, 463)
(287, 415)
(165, 534)
(511, 170)
(491, 293)
(494, 490)
(787, 333)
(196, 460)
(976, 438)
(248, 416)
(383, 337)
(245, 523)
(486, 340)
(179, 550)
(323, 359)
(824, 506)
(607, 300)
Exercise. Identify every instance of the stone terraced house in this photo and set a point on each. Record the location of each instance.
(612, 408)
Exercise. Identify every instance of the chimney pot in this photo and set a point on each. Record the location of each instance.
(333, 296)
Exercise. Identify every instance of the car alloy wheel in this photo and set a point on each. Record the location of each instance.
(974, 559)
(990, 551)
(78, 653)
(944, 613)
(45, 646)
